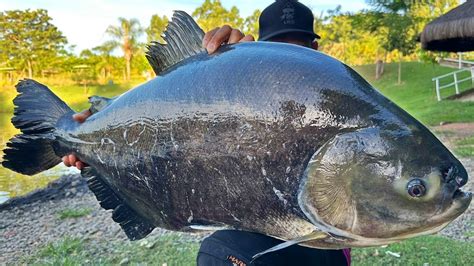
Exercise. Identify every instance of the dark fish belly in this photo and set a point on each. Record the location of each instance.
(236, 172)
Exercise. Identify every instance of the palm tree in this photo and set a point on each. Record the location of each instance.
(125, 35)
(104, 51)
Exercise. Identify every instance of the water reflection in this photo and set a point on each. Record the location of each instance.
(13, 184)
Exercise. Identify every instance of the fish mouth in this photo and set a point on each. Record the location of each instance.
(462, 197)
(459, 203)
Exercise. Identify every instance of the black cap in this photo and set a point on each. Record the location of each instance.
(286, 16)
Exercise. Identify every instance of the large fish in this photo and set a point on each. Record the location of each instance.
(265, 137)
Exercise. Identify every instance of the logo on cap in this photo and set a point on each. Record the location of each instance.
(288, 16)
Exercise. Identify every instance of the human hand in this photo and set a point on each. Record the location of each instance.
(71, 159)
(225, 34)
(82, 116)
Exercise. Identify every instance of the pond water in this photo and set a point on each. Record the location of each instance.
(13, 184)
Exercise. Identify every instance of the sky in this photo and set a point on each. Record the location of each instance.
(84, 22)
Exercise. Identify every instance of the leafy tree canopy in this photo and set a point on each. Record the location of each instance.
(212, 14)
(28, 38)
(156, 28)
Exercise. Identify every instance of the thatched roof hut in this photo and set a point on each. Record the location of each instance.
(452, 32)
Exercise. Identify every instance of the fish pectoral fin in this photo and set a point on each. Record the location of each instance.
(207, 226)
(312, 236)
(98, 103)
(133, 224)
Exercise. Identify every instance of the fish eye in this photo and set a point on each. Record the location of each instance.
(416, 188)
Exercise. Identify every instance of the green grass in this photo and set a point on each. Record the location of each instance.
(417, 95)
(434, 250)
(465, 147)
(64, 252)
(74, 213)
(76, 96)
(172, 249)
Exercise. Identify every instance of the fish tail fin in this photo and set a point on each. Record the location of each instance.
(37, 111)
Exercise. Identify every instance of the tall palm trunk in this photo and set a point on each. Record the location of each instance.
(127, 52)
(128, 60)
(126, 35)
(30, 69)
(399, 69)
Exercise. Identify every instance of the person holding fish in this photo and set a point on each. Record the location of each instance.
(287, 22)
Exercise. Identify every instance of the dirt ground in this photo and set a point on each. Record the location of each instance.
(458, 130)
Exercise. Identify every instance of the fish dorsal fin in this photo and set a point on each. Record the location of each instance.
(311, 236)
(183, 39)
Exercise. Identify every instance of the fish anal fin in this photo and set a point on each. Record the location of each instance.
(312, 236)
(183, 39)
(134, 225)
(102, 191)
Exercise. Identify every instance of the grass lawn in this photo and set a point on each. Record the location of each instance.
(417, 94)
(76, 96)
(465, 147)
(427, 250)
(74, 213)
(174, 249)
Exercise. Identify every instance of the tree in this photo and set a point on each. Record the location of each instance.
(251, 23)
(28, 38)
(156, 28)
(105, 64)
(424, 12)
(342, 38)
(400, 34)
(126, 35)
(212, 14)
(403, 20)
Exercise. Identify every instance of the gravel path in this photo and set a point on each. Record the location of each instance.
(463, 227)
(26, 227)
(449, 134)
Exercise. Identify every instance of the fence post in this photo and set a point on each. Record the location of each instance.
(472, 75)
(437, 90)
(460, 60)
(456, 83)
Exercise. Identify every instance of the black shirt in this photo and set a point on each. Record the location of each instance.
(232, 247)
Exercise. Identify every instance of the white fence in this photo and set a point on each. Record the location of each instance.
(461, 63)
(456, 80)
